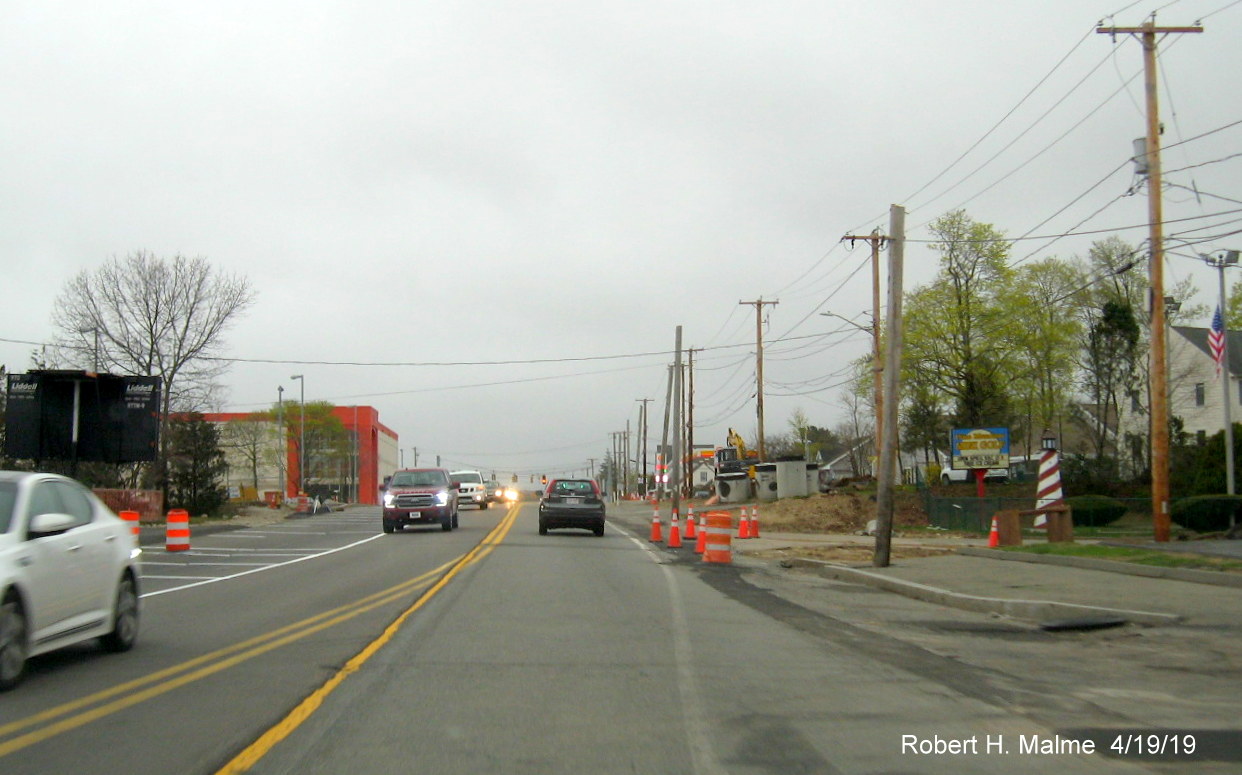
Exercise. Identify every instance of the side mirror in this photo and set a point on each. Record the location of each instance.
(51, 524)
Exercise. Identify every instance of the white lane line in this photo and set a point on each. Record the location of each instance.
(694, 717)
(265, 568)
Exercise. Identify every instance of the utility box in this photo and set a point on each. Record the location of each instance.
(765, 482)
(733, 487)
(790, 478)
(812, 478)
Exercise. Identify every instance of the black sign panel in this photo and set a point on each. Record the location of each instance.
(77, 415)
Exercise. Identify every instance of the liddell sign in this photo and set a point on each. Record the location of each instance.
(82, 416)
(979, 448)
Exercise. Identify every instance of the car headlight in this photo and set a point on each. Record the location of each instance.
(442, 497)
(388, 499)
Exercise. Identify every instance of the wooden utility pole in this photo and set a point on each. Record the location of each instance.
(758, 305)
(675, 496)
(888, 452)
(1155, 209)
(642, 438)
(877, 365)
(690, 417)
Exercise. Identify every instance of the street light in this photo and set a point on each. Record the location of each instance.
(301, 434)
(1229, 258)
(877, 373)
(284, 442)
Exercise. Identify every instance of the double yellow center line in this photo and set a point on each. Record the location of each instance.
(77, 713)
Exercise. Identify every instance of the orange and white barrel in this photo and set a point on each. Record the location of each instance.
(131, 519)
(177, 537)
(717, 542)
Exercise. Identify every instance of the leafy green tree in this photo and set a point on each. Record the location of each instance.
(197, 468)
(1044, 340)
(959, 328)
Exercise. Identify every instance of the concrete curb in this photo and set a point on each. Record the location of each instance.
(1112, 566)
(1033, 610)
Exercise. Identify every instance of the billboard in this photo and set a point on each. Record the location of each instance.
(79, 415)
(979, 447)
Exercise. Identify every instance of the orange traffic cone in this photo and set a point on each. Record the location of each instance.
(994, 536)
(690, 531)
(674, 532)
(655, 526)
(700, 543)
(743, 525)
(754, 521)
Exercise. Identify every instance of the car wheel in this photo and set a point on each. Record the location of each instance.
(446, 522)
(599, 529)
(389, 527)
(124, 617)
(945, 479)
(484, 505)
(454, 519)
(12, 642)
(543, 529)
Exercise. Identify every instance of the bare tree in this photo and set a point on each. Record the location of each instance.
(145, 315)
(251, 438)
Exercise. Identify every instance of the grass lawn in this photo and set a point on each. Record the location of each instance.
(1156, 557)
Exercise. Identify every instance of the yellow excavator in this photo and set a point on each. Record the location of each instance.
(735, 455)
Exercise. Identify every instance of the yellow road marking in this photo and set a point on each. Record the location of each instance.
(286, 726)
(179, 675)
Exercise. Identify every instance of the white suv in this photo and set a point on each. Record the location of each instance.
(470, 488)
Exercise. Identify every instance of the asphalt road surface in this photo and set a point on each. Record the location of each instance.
(322, 646)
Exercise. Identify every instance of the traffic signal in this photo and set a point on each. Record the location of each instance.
(543, 479)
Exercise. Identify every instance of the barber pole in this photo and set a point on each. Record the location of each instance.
(1048, 493)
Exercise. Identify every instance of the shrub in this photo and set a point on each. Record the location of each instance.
(1095, 510)
(1206, 513)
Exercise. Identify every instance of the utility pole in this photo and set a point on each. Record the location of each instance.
(642, 436)
(690, 417)
(662, 456)
(877, 366)
(888, 453)
(677, 451)
(758, 305)
(1155, 210)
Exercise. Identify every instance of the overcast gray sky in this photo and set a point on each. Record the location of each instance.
(559, 185)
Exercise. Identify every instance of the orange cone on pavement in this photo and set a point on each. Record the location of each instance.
(177, 537)
(690, 531)
(700, 543)
(743, 525)
(656, 535)
(674, 532)
(994, 536)
(754, 522)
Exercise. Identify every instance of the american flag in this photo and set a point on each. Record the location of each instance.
(1216, 339)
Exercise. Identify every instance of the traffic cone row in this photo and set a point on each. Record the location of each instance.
(748, 526)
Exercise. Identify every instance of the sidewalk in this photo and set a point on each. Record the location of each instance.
(964, 573)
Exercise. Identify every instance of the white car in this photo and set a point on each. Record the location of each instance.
(470, 488)
(69, 571)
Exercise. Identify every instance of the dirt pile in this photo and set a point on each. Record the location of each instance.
(838, 512)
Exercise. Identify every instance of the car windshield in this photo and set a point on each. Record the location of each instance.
(417, 479)
(573, 487)
(8, 497)
(467, 476)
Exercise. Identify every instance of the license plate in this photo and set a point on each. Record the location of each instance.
(573, 500)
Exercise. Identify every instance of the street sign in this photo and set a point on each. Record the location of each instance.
(979, 448)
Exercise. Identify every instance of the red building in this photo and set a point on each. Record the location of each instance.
(374, 455)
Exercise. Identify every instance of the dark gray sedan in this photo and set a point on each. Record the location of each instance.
(571, 503)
